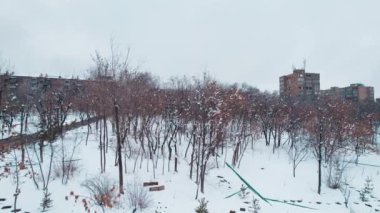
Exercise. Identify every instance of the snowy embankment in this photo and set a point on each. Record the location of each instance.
(32, 126)
(270, 174)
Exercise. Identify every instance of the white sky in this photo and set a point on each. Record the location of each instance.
(252, 41)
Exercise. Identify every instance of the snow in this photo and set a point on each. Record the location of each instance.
(270, 174)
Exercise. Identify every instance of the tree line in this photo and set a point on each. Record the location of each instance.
(151, 119)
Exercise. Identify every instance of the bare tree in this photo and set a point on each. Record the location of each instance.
(299, 148)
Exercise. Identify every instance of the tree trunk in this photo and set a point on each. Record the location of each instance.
(175, 164)
(320, 161)
(120, 160)
(101, 149)
(21, 132)
(41, 151)
(105, 138)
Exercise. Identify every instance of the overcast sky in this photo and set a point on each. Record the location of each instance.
(252, 41)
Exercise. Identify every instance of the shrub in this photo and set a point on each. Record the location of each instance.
(335, 173)
(138, 196)
(243, 192)
(202, 208)
(367, 190)
(346, 193)
(47, 202)
(65, 170)
(255, 207)
(102, 191)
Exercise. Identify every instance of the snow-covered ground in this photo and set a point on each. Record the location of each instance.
(268, 173)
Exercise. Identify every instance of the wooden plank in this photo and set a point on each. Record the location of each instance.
(156, 188)
(152, 183)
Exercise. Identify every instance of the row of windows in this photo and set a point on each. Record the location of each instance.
(307, 88)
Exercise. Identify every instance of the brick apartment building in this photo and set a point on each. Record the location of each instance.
(300, 84)
(354, 92)
(21, 86)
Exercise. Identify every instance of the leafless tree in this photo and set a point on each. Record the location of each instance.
(299, 148)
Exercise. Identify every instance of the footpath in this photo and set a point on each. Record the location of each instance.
(17, 140)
